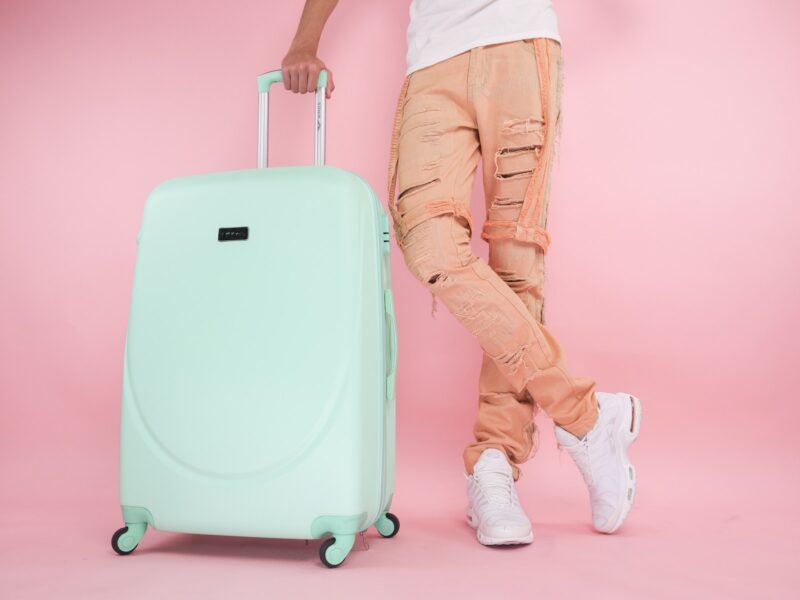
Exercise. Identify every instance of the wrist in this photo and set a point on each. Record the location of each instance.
(304, 46)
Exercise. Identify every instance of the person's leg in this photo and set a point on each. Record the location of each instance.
(517, 139)
(435, 151)
(436, 139)
(432, 225)
(517, 190)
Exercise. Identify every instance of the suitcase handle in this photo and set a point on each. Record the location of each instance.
(390, 378)
(265, 81)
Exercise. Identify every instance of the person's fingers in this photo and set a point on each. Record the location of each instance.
(329, 88)
(302, 79)
(313, 78)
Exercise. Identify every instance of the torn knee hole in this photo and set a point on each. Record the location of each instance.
(418, 188)
(514, 174)
(513, 162)
(513, 280)
(518, 150)
(517, 126)
(512, 358)
(499, 201)
(437, 277)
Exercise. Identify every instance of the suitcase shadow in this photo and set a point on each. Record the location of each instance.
(233, 547)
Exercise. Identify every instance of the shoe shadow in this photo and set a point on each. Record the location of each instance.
(563, 529)
(456, 522)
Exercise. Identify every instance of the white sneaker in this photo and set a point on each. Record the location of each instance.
(601, 456)
(494, 508)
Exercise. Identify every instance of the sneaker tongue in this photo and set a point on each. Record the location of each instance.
(494, 475)
(565, 438)
(492, 459)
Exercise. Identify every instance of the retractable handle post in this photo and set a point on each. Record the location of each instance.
(265, 81)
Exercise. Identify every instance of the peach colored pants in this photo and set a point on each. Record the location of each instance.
(500, 102)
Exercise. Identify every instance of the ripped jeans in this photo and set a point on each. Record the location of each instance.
(500, 102)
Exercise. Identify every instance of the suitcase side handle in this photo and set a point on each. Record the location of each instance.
(390, 378)
(265, 81)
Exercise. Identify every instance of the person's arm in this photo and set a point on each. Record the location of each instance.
(301, 65)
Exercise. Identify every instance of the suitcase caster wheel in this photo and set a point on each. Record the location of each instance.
(125, 540)
(388, 525)
(332, 552)
(122, 543)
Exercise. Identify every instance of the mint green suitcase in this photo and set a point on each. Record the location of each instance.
(259, 374)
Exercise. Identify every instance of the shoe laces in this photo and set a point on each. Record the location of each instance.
(496, 487)
(591, 451)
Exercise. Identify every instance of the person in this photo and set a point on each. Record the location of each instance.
(484, 82)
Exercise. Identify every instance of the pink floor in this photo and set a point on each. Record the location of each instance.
(714, 521)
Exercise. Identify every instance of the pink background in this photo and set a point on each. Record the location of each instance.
(673, 274)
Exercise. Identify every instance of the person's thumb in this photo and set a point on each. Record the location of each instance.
(329, 87)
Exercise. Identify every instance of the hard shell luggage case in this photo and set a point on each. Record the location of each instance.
(258, 385)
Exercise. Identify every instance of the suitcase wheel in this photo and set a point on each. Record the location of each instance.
(333, 551)
(388, 525)
(125, 540)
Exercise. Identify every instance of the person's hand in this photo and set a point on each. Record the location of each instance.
(301, 69)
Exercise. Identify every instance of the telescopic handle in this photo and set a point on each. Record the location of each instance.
(265, 81)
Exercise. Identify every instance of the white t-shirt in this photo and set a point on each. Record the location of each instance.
(439, 29)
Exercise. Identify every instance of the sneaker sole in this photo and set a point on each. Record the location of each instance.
(627, 430)
(495, 541)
